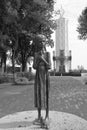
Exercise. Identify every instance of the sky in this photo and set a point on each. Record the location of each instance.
(73, 9)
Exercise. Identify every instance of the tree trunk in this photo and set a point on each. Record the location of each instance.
(13, 60)
(23, 66)
(3, 62)
(13, 66)
(5, 66)
(23, 62)
(5, 58)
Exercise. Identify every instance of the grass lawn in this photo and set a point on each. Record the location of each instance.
(67, 94)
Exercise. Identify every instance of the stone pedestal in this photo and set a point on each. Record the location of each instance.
(57, 121)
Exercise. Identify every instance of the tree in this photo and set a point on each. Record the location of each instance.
(35, 19)
(82, 27)
(8, 27)
(28, 18)
(3, 57)
(23, 50)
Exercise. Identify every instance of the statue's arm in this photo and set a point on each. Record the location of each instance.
(43, 59)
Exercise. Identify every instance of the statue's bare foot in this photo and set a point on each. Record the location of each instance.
(45, 123)
(37, 121)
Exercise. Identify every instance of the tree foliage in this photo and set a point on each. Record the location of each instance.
(82, 27)
(23, 22)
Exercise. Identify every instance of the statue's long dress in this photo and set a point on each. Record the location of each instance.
(41, 86)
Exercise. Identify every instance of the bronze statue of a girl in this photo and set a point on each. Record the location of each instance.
(42, 83)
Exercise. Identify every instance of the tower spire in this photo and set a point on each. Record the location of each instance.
(61, 11)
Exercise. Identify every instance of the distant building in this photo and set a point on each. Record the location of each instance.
(62, 55)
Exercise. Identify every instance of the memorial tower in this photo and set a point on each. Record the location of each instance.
(62, 55)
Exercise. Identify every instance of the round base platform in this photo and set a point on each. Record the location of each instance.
(57, 121)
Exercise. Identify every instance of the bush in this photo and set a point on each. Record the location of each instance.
(51, 73)
(9, 69)
(21, 81)
(57, 74)
(75, 74)
(66, 74)
(29, 76)
(4, 78)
